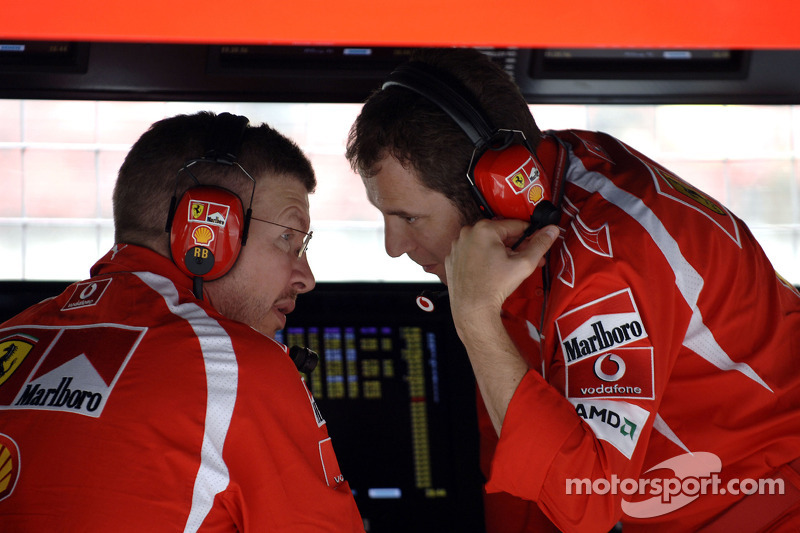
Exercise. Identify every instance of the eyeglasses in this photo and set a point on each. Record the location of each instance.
(306, 239)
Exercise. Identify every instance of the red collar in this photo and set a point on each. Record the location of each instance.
(133, 258)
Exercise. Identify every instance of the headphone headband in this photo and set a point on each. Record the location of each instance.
(450, 96)
(505, 176)
(226, 137)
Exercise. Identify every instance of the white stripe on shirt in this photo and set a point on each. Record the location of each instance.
(222, 382)
(698, 337)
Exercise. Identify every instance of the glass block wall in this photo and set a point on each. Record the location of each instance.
(58, 163)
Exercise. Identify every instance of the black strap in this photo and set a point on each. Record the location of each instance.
(226, 138)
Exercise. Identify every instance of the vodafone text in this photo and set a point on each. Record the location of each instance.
(610, 389)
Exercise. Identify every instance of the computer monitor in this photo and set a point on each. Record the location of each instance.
(395, 386)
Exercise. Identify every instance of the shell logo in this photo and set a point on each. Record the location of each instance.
(535, 194)
(9, 466)
(203, 235)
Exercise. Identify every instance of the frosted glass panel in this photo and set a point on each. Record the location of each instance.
(58, 163)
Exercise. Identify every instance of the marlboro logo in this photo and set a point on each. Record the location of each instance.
(609, 322)
(72, 370)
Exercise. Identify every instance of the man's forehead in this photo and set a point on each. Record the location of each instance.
(389, 199)
(393, 184)
(276, 194)
(298, 218)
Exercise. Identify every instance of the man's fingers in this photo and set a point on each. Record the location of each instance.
(536, 246)
(510, 230)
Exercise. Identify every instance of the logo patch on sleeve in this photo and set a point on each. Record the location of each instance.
(13, 351)
(618, 423)
(675, 188)
(87, 294)
(73, 370)
(619, 373)
(607, 323)
(9, 466)
(330, 466)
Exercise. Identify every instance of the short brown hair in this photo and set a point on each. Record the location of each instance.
(148, 178)
(400, 123)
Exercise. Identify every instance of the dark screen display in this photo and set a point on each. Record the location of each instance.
(395, 388)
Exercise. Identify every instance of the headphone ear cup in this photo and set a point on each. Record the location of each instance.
(511, 181)
(206, 232)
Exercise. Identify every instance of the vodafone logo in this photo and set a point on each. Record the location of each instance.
(622, 373)
(87, 294)
(425, 303)
(9, 465)
(598, 367)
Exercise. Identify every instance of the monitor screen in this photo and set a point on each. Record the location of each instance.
(396, 390)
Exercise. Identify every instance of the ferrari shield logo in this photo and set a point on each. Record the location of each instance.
(518, 180)
(197, 210)
(12, 352)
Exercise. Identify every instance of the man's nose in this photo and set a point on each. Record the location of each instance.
(396, 239)
(303, 279)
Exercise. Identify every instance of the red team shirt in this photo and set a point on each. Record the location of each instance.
(668, 349)
(128, 405)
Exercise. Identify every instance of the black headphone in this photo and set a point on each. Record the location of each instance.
(209, 225)
(505, 175)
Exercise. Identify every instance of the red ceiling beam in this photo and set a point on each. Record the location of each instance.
(528, 23)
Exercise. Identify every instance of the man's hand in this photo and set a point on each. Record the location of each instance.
(482, 271)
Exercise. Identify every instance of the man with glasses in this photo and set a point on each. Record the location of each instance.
(153, 396)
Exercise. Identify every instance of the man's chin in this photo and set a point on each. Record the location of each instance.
(269, 328)
(436, 270)
(441, 275)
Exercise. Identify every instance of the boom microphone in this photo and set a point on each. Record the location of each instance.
(545, 214)
(304, 359)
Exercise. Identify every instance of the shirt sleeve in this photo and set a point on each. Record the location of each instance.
(283, 467)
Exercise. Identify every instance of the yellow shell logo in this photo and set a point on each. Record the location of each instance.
(535, 194)
(9, 465)
(203, 235)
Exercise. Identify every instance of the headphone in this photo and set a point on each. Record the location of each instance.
(504, 174)
(208, 225)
